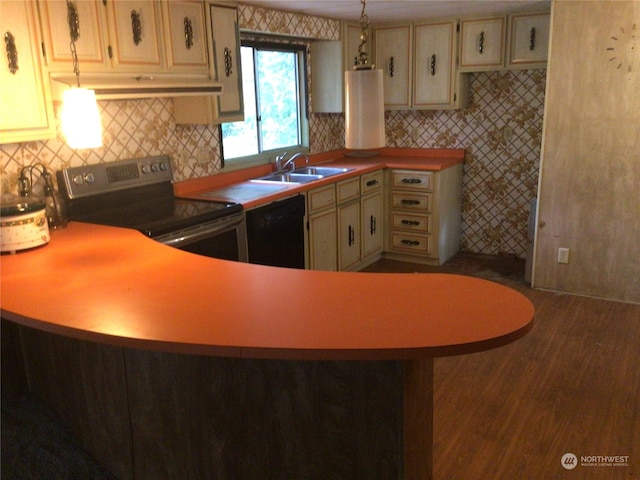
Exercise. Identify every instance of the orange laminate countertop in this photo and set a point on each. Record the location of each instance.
(396, 158)
(116, 286)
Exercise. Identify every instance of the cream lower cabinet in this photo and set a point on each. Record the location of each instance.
(322, 225)
(345, 223)
(25, 103)
(425, 215)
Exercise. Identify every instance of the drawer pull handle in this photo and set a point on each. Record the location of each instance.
(352, 235)
(410, 222)
(411, 180)
(404, 201)
(136, 27)
(411, 243)
(372, 224)
(481, 43)
(432, 65)
(228, 62)
(12, 52)
(371, 183)
(188, 33)
(391, 69)
(532, 39)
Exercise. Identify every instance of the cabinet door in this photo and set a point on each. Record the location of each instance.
(226, 62)
(482, 44)
(90, 46)
(371, 224)
(327, 76)
(133, 34)
(529, 40)
(348, 235)
(323, 254)
(185, 36)
(25, 102)
(393, 56)
(434, 64)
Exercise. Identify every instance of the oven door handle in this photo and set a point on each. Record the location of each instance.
(200, 232)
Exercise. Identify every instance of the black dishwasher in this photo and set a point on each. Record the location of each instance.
(275, 233)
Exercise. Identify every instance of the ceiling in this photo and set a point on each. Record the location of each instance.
(380, 11)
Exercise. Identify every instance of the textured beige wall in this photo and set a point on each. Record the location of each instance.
(589, 193)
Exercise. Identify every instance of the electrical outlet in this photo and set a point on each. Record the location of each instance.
(563, 255)
(204, 156)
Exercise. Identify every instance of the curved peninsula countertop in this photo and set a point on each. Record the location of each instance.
(117, 287)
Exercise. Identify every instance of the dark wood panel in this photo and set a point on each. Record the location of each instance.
(215, 418)
(85, 384)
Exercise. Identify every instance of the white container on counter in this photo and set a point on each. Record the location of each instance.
(23, 223)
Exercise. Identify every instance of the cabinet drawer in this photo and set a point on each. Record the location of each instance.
(348, 189)
(321, 198)
(408, 179)
(409, 201)
(420, 223)
(371, 182)
(411, 242)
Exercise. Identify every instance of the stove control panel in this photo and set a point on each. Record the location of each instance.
(107, 177)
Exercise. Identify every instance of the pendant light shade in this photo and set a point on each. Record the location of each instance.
(81, 119)
(364, 117)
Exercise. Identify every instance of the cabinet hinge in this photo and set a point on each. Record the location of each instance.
(110, 51)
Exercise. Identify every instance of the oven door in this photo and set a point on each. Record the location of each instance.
(224, 238)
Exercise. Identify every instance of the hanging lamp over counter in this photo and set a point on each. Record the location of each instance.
(364, 101)
(80, 117)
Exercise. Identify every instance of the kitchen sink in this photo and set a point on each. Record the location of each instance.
(291, 177)
(322, 171)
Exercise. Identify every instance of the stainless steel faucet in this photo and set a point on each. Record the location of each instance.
(281, 167)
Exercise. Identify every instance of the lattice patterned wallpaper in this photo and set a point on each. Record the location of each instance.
(500, 178)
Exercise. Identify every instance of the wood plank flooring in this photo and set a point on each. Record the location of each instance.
(572, 385)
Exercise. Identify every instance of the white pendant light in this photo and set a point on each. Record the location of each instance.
(80, 117)
(364, 101)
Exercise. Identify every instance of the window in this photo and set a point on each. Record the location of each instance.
(274, 105)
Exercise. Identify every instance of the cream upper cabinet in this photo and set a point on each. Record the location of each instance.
(185, 39)
(25, 103)
(226, 61)
(128, 35)
(134, 27)
(393, 55)
(528, 40)
(482, 44)
(225, 65)
(436, 81)
(91, 45)
(327, 76)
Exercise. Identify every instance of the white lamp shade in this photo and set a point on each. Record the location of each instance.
(81, 119)
(364, 102)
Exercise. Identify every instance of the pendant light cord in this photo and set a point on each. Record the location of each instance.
(363, 60)
(74, 32)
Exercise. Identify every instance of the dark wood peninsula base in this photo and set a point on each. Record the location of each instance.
(146, 415)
